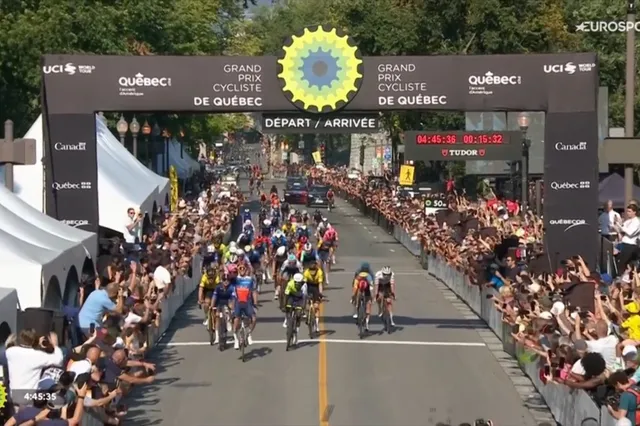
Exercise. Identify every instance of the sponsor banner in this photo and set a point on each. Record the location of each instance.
(314, 123)
(248, 84)
(571, 185)
(71, 188)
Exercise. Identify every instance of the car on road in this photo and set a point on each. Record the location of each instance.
(318, 196)
(296, 192)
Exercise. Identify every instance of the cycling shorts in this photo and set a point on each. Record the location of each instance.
(221, 303)
(208, 293)
(245, 308)
(323, 255)
(313, 292)
(294, 302)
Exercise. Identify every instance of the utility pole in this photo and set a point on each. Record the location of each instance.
(15, 151)
(630, 95)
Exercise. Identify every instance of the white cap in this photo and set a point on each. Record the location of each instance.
(628, 349)
(557, 308)
(281, 251)
(266, 222)
(298, 277)
(247, 222)
(534, 287)
(546, 315)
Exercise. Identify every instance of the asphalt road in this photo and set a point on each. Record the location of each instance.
(433, 368)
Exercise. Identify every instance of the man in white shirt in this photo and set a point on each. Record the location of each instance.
(133, 226)
(25, 364)
(630, 232)
(202, 204)
(607, 220)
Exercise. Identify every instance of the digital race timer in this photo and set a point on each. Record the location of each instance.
(462, 138)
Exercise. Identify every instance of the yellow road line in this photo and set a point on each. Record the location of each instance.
(322, 371)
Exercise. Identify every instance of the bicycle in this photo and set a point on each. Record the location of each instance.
(386, 315)
(242, 336)
(311, 318)
(361, 304)
(210, 326)
(293, 322)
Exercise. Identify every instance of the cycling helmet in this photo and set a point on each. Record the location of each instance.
(292, 258)
(281, 251)
(247, 248)
(247, 210)
(329, 226)
(232, 246)
(233, 258)
(211, 248)
(325, 220)
(298, 278)
(266, 222)
(278, 233)
(292, 212)
(240, 252)
(308, 247)
(386, 270)
(364, 266)
(247, 222)
(303, 227)
(304, 213)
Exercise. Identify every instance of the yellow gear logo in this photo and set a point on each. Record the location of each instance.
(320, 70)
(3, 396)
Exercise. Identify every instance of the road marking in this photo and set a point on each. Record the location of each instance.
(392, 250)
(346, 341)
(322, 371)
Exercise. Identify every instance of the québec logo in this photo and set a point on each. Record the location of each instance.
(129, 86)
(80, 146)
(571, 223)
(69, 68)
(463, 152)
(484, 84)
(561, 186)
(70, 186)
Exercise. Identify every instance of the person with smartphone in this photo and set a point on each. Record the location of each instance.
(132, 230)
(99, 303)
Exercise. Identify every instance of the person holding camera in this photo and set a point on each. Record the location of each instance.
(132, 230)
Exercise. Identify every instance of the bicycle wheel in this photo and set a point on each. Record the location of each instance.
(243, 340)
(210, 327)
(361, 317)
(290, 329)
(386, 320)
(311, 320)
(222, 333)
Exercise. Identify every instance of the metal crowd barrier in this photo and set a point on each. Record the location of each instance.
(569, 407)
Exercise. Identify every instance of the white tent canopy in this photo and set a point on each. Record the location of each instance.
(122, 180)
(36, 248)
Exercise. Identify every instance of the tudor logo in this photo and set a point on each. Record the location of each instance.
(80, 146)
(463, 152)
(561, 146)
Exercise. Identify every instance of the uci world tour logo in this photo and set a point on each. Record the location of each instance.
(320, 69)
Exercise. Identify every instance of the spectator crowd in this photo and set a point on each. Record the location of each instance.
(583, 326)
(53, 379)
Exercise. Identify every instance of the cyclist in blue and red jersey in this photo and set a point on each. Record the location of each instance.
(246, 299)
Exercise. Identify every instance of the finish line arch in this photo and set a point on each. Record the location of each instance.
(565, 86)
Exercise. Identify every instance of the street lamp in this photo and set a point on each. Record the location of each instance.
(122, 128)
(134, 127)
(165, 136)
(181, 144)
(155, 142)
(146, 131)
(523, 122)
(102, 117)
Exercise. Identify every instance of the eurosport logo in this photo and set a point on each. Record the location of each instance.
(568, 68)
(563, 186)
(69, 68)
(70, 186)
(134, 86)
(75, 223)
(561, 146)
(485, 84)
(80, 146)
(569, 223)
(463, 152)
(608, 26)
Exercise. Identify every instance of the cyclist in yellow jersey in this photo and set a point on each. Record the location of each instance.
(314, 277)
(210, 279)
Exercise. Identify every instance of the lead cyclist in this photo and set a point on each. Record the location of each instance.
(385, 287)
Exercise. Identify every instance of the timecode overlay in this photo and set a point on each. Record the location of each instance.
(463, 146)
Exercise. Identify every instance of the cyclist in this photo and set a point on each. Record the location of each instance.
(295, 292)
(290, 267)
(308, 255)
(385, 283)
(284, 208)
(246, 298)
(324, 251)
(363, 275)
(332, 237)
(314, 278)
(251, 185)
(210, 279)
(275, 217)
(231, 273)
(278, 240)
(249, 230)
(305, 218)
(244, 260)
(278, 260)
(317, 217)
(288, 227)
(230, 251)
(246, 216)
(243, 240)
(330, 197)
(265, 229)
(255, 260)
(302, 231)
(263, 199)
(274, 190)
(223, 297)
